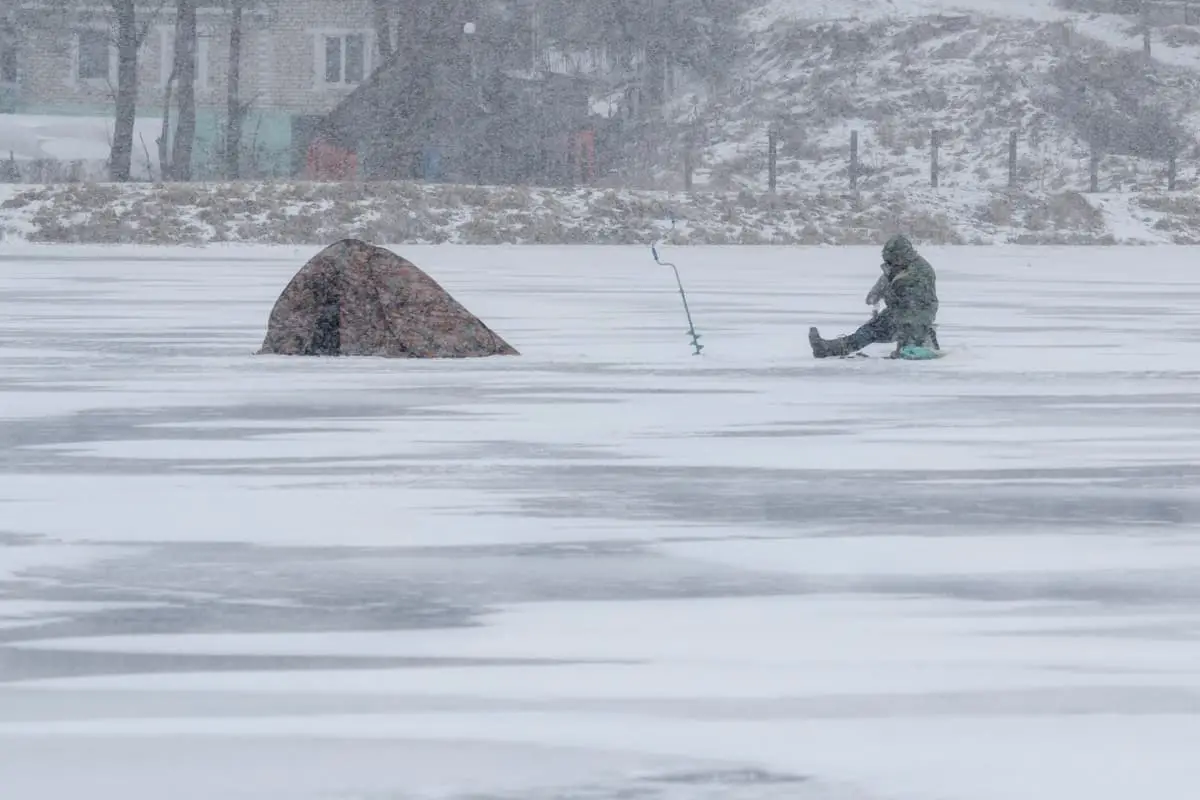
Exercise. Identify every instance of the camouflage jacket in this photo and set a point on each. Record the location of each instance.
(908, 285)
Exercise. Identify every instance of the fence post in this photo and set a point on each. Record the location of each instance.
(1012, 159)
(854, 161)
(772, 158)
(1094, 170)
(1172, 164)
(1145, 13)
(934, 144)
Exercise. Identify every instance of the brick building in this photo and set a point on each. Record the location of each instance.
(299, 61)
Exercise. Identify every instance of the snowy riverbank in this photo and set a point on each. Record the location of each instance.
(410, 213)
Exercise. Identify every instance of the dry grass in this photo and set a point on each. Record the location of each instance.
(399, 213)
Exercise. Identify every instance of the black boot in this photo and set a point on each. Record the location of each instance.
(823, 348)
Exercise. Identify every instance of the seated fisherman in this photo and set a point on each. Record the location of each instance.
(908, 288)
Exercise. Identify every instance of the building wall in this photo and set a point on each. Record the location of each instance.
(282, 76)
(297, 79)
(46, 58)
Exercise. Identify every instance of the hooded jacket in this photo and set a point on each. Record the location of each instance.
(908, 285)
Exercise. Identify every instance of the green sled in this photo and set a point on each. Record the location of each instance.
(914, 353)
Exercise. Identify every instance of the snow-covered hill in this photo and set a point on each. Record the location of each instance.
(772, 12)
(976, 70)
(895, 71)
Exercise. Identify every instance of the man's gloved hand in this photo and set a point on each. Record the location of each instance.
(876, 293)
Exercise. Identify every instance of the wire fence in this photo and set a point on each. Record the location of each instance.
(1019, 162)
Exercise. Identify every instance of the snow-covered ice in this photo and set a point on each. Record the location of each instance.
(606, 568)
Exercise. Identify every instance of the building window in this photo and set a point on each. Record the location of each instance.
(345, 57)
(94, 60)
(166, 37)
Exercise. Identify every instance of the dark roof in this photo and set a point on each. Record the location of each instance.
(486, 124)
(413, 95)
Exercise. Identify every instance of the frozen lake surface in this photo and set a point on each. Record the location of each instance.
(605, 569)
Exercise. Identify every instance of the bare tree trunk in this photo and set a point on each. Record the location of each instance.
(234, 108)
(164, 137)
(120, 158)
(185, 69)
(383, 30)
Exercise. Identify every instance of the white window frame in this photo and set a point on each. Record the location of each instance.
(73, 79)
(318, 40)
(166, 58)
